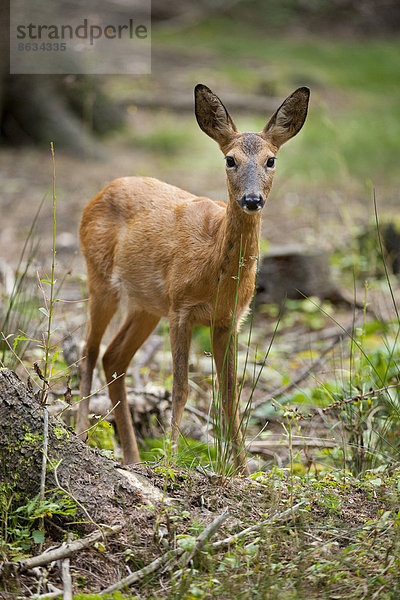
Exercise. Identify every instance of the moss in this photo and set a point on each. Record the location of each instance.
(32, 439)
(102, 436)
(61, 433)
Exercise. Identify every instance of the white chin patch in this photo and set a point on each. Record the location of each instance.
(252, 212)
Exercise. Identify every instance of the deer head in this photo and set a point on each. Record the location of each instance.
(250, 157)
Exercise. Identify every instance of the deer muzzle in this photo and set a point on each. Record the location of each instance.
(252, 203)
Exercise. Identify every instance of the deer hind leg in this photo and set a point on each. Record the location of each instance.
(102, 307)
(180, 332)
(224, 351)
(134, 331)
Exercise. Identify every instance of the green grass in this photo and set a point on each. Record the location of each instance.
(352, 133)
(166, 137)
(367, 65)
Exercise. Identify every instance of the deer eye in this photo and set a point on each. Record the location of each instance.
(230, 162)
(271, 162)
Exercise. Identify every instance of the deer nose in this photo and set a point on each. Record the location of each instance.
(252, 203)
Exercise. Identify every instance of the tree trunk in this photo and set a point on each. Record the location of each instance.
(108, 492)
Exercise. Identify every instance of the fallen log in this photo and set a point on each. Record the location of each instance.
(150, 410)
(104, 492)
(66, 550)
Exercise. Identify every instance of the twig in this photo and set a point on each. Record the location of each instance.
(44, 458)
(142, 573)
(14, 353)
(283, 516)
(102, 418)
(46, 342)
(65, 550)
(66, 575)
(204, 536)
(165, 558)
(72, 406)
(53, 593)
(359, 397)
(304, 375)
(298, 441)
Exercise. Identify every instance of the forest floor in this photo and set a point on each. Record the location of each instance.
(321, 537)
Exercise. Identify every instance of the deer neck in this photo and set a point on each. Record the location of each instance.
(239, 244)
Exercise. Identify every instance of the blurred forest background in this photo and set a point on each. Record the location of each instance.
(252, 53)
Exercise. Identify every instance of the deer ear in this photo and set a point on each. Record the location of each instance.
(288, 119)
(212, 116)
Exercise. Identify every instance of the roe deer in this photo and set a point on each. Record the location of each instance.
(176, 255)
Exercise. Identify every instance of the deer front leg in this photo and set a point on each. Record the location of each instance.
(102, 308)
(224, 351)
(180, 332)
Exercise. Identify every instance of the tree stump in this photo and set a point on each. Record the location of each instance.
(295, 272)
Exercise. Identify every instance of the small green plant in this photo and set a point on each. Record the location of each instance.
(189, 453)
(23, 521)
(21, 524)
(102, 436)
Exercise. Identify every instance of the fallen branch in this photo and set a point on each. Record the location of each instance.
(142, 573)
(65, 550)
(297, 442)
(159, 562)
(279, 518)
(66, 575)
(53, 593)
(204, 536)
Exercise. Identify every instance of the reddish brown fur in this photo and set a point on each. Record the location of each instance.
(177, 255)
